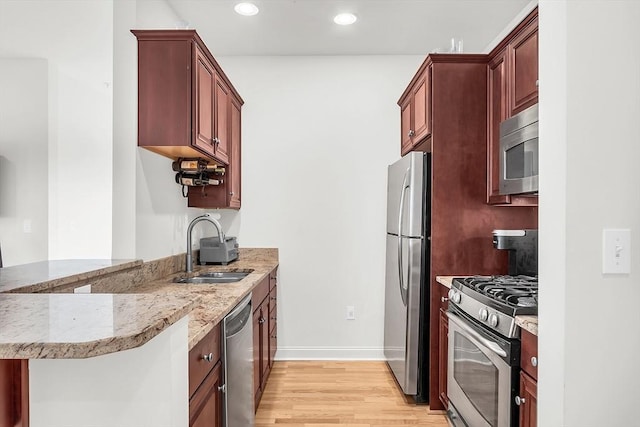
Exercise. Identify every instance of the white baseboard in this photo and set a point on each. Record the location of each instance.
(329, 353)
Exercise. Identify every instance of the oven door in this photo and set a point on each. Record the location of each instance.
(479, 380)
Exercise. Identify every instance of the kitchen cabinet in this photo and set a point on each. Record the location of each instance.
(273, 316)
(512, 86)
(205, 407)
(227, 194)
(264, 332)
(205, 379)
(415, 111)
(14, 393)
(443, 340)
(527, 398)
(183, 97)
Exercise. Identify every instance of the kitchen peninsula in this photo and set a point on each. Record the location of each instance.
(121, 357)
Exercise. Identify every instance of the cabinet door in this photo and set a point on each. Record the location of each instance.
(205, 408)
(264, 345)
(14, 393)
(222, 121)
(204, 103)
(523, 57)
(443, 345)
(406, 126)
(497, 112)
(528, 408)
(256, 356)
(422, 107)
(235, 171)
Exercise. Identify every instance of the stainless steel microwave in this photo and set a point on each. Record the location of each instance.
(519, 153)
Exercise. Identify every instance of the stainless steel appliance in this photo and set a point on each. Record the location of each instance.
(237, 353)
(523, 249)
(519, 153)
(484, 348)
(212, 251)
(406, 319)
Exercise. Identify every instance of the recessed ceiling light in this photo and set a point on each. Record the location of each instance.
(345, 19)
(246, 9)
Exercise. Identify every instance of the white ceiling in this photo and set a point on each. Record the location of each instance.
(384, 27)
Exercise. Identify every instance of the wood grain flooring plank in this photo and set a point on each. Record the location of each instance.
(336, 393)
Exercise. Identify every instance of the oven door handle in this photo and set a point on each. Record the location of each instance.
(469, 330)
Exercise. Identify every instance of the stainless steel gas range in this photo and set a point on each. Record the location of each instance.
(484, 340)
(484, 348)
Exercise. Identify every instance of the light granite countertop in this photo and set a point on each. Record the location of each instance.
(75, 326)
(134, 309)
(43, 276)
(216, 300)
(529, 323)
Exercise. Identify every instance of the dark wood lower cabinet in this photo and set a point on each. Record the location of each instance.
(529, 401)
(264, 332)
(14, 393)
(444, 349)
(205, 407)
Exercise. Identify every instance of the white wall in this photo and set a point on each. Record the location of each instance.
(76, 40)
(589, 109)
(318, 134)
(23, 160)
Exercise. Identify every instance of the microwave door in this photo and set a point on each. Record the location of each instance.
(519, 161)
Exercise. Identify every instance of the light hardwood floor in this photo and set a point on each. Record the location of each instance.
(350, 394)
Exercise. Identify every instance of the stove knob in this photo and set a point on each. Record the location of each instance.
(457, 297)
(451, 293)
(484, 314)
(493, 320)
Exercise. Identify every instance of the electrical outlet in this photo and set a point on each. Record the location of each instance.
(351, 312)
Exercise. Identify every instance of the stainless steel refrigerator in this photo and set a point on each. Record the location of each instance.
(406, 317)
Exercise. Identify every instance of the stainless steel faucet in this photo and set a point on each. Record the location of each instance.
(205, 217)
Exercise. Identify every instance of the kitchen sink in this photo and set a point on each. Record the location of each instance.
(214, 277)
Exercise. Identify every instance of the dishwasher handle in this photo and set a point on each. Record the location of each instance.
(236, 320)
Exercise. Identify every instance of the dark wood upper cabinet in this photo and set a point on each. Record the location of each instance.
(187, 107)
(415, 111)
(512, 86)
(523, 57)
(183, 97)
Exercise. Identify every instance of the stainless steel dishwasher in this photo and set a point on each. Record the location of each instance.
(237, 356)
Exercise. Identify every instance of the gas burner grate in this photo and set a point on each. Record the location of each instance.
(514, 291)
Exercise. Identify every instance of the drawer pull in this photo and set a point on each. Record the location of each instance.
(534, 361)
(208, 357)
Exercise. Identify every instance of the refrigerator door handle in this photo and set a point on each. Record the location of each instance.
(403, 287)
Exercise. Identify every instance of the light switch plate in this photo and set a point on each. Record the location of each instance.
(616, 251)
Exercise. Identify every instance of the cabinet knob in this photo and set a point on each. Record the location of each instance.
(274, 337)
(208, 357)
(231, 193)
(273, 298)
(274, 318)
(411, 132)
(262, 320)
(520, 400)
(222, 388)
(534, 361)
(444, 299)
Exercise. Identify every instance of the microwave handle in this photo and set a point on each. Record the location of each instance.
(469, 330)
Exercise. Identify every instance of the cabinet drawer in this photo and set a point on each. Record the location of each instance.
(259, 293)
(529, 353)
(203, 357)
